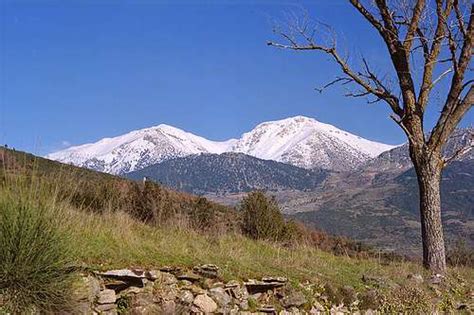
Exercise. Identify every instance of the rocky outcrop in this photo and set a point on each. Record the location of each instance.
(201, 290)
(198, 291)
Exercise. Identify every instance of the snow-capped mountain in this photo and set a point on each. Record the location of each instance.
(138, 149)
(299, 141)
(308, 143)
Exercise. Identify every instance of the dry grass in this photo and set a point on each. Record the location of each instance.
(114, 240)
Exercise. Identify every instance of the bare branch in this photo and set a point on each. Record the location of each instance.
(435, 50)
(378, 91)
(413, 25)
(441, 76)
(460, 152)
(459, 18)
(337, 80)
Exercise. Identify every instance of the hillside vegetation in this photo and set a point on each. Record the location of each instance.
(229, 173)
(84, 221)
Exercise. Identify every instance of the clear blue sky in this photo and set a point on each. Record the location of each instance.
(77, 71)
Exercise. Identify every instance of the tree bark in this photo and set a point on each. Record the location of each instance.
(428, 167)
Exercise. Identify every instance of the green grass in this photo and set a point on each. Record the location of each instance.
(114, 240)
(35, 253)
(61, 233)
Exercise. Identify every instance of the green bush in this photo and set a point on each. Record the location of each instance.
(263, 220)
(34, 254)
(203, 216)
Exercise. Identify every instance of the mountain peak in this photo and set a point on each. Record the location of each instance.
(298, 140)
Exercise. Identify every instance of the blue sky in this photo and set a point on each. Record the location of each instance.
(76, 71)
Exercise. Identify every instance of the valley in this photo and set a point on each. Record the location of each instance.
(320, 175)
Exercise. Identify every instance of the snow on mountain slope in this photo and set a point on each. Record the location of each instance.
(138, 149)
(308, 143)
(299, 140)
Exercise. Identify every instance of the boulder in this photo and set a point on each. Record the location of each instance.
(207, 270)
(192, 277)
(106, 308)
(169, 269)
(106, 296)
(205, 304)
(186, 297)
(168, 308)
(168, 279)
(220, 296)
(294, 299)
(275, 279)
(254, 286)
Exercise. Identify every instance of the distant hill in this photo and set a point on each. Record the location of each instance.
(384, 211)
(95, 191)
(398, 159)
(229, 173)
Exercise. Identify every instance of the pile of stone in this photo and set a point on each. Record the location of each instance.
(197, 291)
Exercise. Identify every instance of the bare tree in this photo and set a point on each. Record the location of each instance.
(438, 37)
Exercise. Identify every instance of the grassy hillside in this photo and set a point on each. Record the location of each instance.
(80, 236)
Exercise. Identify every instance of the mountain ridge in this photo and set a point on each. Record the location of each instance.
(299, 141)
(229, 173)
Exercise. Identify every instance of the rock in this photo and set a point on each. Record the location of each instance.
(169, 269)
(184, 283)
(131, 290)
(254, 286)
(275, 279)
(294, 299)
(463, 307)
(106, 296)
(88, 289)
(186, 297)
(318, 306)
(153, 275)
(121, 279)
(256, 296)
(194, 289)
(205, 303)
(244, 305)
(217, 285)
(436, 279)
(168, 308)
(120, 285)
(267, 309)
(105, 307)
(168, 279)
(127, 274)
(189, 277)
(207, 270)
(232, 284)
(220, 296)
(149, 309)
(292, 311)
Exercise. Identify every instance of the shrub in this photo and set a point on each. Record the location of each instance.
(460, 255)
(262, 218)
(203, 216)
(34, 254)
(406, 300)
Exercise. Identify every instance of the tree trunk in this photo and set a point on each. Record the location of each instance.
(428, 169)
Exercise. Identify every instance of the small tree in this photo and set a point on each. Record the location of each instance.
(203, 215)
(440, 37)
(262, 218)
